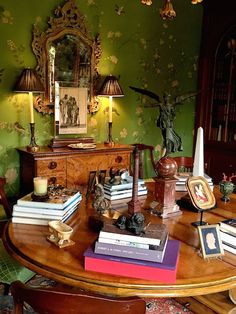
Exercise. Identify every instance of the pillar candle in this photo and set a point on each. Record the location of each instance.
(31, 107)
(40, 186)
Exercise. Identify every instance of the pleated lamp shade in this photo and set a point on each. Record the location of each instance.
(111, 87)
(29, 81)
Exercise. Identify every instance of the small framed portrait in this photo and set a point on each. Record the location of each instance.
(200, 193)
(210, 241)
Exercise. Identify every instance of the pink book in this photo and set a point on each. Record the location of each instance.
(121, 266)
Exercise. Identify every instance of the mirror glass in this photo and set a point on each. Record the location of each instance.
(66, 54)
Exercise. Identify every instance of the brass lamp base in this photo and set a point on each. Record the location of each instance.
(32, 147)
(110, 141)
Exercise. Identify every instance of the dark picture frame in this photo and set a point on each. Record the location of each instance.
(211, 244)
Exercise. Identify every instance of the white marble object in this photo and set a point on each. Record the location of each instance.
(198, 164)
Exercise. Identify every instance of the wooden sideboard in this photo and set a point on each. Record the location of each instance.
(70, 167)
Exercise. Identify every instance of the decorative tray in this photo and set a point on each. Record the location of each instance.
(82, 146)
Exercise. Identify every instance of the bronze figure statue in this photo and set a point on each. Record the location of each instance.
(171, 140)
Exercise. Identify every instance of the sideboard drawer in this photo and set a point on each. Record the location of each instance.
(119, 160)
(50, 166)
(54, 169)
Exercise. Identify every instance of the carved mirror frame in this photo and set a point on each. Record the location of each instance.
(67, 21)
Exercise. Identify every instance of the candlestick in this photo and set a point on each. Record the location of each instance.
(32, 147)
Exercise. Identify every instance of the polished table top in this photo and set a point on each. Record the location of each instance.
(195, 276)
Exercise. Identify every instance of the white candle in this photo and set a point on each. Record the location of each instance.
(57, 102)
(110, 109)
(31, 107)
(40, 186)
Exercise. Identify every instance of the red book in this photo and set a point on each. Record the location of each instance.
(121, 266)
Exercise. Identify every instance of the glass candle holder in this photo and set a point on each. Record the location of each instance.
(40, 186)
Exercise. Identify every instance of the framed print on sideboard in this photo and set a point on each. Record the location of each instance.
(70, 110)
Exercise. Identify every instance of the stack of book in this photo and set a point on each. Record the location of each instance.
(28, 211)
(228, 234)
(182, 178)
(152, 256)
(123, 190)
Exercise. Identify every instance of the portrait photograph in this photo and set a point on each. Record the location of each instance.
(200, 193)
(211, 244)
(72, 110)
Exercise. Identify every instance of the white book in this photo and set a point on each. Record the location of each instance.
(47, 211)
(229, 224)
(43, 215)
(117, 192)
(183, 176)
(41, 221)
(123, 185)
(228, 238)
(152, 237)
(57, 202)
(123, 242)
(123, 195)
(229, 248)
(233, 233)
(182, 187)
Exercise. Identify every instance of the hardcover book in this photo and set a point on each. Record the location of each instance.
(229, 248)
(19, 212)
(228, 238)
(123, 195)
(123, 191)
(121, 266)
(125, 243)
(156, 255)
(123, 185)
(46, 211)
(42, 221)
(154, 233)
(56, 200)
(229, 224)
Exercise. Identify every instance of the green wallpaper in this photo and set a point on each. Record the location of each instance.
(139, 47)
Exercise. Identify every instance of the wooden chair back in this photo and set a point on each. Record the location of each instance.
(185, 164)
(3, 198)
(142, 148)
(59, 302)
(6, 205)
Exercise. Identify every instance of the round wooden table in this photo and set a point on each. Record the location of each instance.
(195, 276)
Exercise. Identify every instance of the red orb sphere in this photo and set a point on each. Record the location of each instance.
(166, 167)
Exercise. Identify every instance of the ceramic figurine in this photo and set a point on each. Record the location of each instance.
(60, 233)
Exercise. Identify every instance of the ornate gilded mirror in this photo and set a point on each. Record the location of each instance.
(66, 54)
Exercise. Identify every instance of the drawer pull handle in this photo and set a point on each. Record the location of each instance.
(118, 159)
(52, 165)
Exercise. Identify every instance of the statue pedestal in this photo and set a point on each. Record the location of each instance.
(165, 196)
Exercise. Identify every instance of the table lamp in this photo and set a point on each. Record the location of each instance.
(110, 88)
(29, 82)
